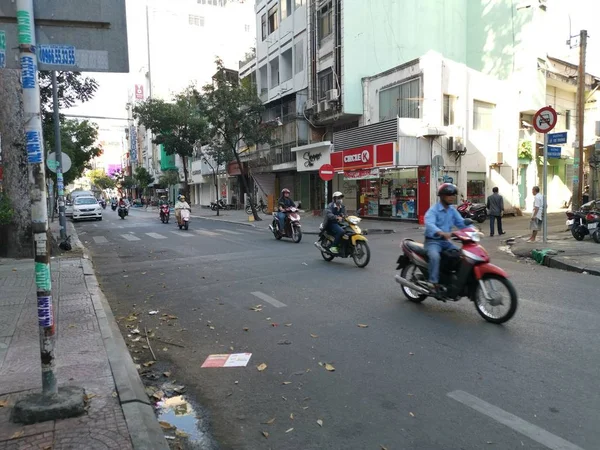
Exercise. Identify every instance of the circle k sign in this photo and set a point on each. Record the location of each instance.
(363, 157)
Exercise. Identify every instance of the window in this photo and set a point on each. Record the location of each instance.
(286, 8)
(274, 73)
(483, 115)
(299, 3)
(403, 100)
(273, 19)
(197, 21)
(247, 28)
(263, 25)
(449, 102)
(567, 122)
(298, 57)
(286, 65)
(325, 21)
(325, 83)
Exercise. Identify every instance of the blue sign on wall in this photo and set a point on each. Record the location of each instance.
(133, 144)
(557, 138)
(554, 152)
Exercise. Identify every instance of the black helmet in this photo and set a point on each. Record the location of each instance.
(447, 189)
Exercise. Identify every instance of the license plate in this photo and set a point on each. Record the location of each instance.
(592, 226)
(570, 223)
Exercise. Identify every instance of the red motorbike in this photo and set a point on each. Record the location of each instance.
(165, 213)
(464, 272)
(474, 211)
(292, 228)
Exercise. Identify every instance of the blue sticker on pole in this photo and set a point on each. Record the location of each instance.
(28, 72)
(2, 59)
(34, 147)
(57, 55)
(45, 315)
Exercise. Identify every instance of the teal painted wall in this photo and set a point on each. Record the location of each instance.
(381, 34)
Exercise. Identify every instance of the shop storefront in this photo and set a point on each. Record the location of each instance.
(381, 189)
(309, 189)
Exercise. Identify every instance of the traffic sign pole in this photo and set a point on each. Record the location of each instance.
(60, 187)
(326, 173)
(545, 183)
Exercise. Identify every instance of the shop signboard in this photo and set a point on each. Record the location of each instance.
(363, 174)
(367, 157)
(311, 159)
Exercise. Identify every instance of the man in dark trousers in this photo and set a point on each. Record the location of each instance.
(495, 206)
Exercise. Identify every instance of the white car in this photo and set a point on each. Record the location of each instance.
(86, 208)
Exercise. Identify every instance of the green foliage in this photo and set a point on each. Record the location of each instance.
(169, 178)
(6, 210)
(525, 150)
(128, 182)
(143, 178)
(100, 180)
(72, 88)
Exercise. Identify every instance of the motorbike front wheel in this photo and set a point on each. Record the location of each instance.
(412, 273)
(486, 306)
(296, 235)
(362, 254)
(596, 237)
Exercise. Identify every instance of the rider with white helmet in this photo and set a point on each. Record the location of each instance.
(334, 213)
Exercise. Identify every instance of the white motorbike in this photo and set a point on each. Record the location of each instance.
(184, 219)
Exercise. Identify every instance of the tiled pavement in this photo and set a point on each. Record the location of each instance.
(82, 360)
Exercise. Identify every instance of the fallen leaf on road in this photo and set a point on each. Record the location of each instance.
(17, 434)
(211, 327)
(181, 434)
(256, 308)
(246, 328)
(88, 397)
(329, 367)
(288, 324)
(305, 407)
(411, 414)
(171, 317)
(131, 318)
(291, 429)
(3, 403)
(268, 318)
(269, 422)
(320, 422)
(292, 416)
(115, 395)
(383, 448)
(148, 364)
(167, 374)
(362, 325)
(411, 353)
(135, 331)
(165, 425)
(261, 367)
(231, 348)
(265, 434)
(287, 382)
(284, 398)
(165, 349)
(314, 336)
(158, 395)
(144, 273)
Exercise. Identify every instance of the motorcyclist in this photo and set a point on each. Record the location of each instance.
(334, 213)
(285, 201)
(162, 201)
(122, 203)
(179, 205)
(439, 220)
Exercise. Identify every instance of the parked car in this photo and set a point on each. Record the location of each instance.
(86, 207)
(69, 208)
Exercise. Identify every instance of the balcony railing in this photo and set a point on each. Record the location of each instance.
(247, 58)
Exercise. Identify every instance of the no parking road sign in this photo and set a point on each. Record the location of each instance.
(545, 119)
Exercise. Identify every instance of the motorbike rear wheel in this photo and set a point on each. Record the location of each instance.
(481, 218)
(596, 237)
(483, 310)
(248, 210)
(577, 233)
(412, 273)
(326, 243)
(265, 210)
(186, 225)
(362, 254)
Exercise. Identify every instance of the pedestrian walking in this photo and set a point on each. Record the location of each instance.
(537, 214)
(495, 206)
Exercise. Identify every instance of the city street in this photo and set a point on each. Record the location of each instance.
(428, 376)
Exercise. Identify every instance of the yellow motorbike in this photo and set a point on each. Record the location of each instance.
(353, 243)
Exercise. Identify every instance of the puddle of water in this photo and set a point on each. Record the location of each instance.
(181, 414)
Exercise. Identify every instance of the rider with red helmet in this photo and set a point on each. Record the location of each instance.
(439, 220)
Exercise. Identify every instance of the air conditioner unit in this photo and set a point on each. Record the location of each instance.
(332, 95)
(322, 107)
(455, 144)
(310, 106)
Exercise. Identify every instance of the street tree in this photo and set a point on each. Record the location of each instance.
(235, 115)
(100, 180)
(169, 178)
(178, 125)
(143, 178)
(128, 182)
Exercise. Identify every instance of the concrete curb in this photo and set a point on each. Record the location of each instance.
(142, 424)
(551, 261)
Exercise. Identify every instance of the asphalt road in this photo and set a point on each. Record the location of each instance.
(428, 376)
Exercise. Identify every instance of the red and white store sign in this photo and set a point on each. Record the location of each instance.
(367, 157)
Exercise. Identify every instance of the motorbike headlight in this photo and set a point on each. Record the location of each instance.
(475, 236)
(357, 229)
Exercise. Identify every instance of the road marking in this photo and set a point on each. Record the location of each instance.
(207, 233)
(533, 432)
(130, 237)
(182, 233)
(156, 236)
(229, 232)
(100, 240)
(269, 299)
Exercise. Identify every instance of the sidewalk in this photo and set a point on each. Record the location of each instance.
(90, 353)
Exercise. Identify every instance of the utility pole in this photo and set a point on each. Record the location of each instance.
(37, 179)
(578, 166)
(60, 186)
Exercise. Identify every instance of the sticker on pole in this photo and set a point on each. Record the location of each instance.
(227, 360)
(545, 119)
(326, 172)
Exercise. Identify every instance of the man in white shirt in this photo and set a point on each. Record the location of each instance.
(536, 215)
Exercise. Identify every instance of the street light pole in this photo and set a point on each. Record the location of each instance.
(60, 186)
(578, 166)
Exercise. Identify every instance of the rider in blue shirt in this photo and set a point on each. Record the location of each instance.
(439, 220)
(285, 201)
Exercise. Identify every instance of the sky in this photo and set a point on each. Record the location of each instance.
(114, 89)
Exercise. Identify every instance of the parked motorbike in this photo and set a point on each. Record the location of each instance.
(585, 221)
(165, 213)
(114, 205)
(183, 221)
(220, 204)
(353, 243)
(292, 228)
(466, 272)
(474, 211)
(260, 207)
(123, 211)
